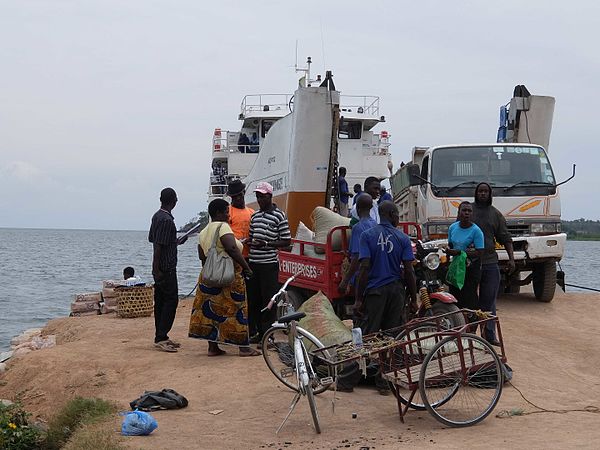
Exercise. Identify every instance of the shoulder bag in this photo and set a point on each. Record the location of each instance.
(218, 270)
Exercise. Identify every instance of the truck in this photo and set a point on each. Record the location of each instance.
(429, 189)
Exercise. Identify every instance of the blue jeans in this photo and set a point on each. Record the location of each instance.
(488, 292)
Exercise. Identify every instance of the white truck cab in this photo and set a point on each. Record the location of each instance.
(430, 188)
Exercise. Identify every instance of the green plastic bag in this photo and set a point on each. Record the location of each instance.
(457, 270)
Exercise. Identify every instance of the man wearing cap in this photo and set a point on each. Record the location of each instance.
(269, 231)
(239, 213)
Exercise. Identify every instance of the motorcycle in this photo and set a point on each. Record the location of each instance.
(433, 299)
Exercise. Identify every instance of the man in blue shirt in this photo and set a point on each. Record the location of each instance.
(344, 192)
(384, 195)
(364, 204)
(385, 255)
(386, 269)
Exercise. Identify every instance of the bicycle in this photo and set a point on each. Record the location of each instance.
(288, 358)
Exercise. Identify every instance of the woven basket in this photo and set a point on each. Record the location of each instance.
(136, 301)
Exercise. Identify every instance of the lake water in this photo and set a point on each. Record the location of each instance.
(43, 269)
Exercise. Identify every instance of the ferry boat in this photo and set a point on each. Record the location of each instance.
(297, 142)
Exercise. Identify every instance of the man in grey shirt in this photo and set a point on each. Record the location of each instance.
(493, 224)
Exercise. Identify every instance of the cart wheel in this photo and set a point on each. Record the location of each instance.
(466, 372)
(278, 352)
(425, 338)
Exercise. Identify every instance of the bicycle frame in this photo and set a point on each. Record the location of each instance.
(299, 352)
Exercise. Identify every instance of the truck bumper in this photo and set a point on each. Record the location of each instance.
(538, 248)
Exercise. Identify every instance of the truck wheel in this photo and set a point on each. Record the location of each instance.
(544, 281)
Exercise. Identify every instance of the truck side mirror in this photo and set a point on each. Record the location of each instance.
(414, 174)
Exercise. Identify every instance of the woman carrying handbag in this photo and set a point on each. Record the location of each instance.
(220, 311)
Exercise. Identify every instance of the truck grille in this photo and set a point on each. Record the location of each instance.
(518, 229)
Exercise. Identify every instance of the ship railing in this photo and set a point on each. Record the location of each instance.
(362, 104)
(264, 102)
(226, 142)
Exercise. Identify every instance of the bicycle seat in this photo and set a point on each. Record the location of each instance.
(293, 316)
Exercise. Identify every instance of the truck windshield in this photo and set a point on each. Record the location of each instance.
(513, 167)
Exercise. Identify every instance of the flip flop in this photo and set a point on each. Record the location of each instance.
(217, 353)
(251, 352)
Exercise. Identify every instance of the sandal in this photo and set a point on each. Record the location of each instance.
(219, 352)
(250, 352)
(165, 346)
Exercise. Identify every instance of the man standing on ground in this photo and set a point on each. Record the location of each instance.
(344, 192)
(493, 224)
(364, 203)
(239, 213)
(385, 272)
(269, 231)
(372, 187)
(163, 236)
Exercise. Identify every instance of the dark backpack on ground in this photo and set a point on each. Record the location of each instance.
(153, 400)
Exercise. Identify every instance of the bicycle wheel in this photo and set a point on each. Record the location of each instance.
(313, 407)
(424, 335)
(469, 368)
(278, 352)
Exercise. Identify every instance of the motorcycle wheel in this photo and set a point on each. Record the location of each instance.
(451, 321)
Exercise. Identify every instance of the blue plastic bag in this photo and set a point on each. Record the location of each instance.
(138, 423)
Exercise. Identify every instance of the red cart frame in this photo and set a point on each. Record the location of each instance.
(324, 274)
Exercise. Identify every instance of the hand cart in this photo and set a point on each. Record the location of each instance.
(453, 373)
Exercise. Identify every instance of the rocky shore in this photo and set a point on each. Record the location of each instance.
(554, 350)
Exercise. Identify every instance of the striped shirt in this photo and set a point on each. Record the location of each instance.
(163, 232)
(269, 226)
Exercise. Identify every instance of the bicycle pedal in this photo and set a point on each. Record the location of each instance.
(326, 380)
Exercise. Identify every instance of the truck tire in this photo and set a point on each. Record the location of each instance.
(544, 281)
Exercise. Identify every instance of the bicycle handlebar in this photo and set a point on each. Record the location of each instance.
(278, 293)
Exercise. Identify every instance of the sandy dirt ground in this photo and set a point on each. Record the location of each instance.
(553, 349)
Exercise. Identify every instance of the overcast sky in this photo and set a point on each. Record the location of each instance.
(104, 103)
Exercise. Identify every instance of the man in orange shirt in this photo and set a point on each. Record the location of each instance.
(239, 214)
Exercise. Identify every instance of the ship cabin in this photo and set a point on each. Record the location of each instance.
(360, 149)
(234, 152)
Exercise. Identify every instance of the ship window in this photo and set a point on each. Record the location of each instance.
(265, 127)
(350, 129)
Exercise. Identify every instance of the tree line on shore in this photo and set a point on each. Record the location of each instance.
(579, 229)
(582, 229)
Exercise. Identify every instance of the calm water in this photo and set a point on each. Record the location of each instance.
(43, 269)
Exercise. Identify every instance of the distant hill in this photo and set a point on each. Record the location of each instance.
(582, 229)
(202, 217)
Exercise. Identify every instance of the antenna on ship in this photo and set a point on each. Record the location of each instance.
(306, 80)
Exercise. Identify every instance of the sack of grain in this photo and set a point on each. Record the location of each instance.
(322, 322)
(324, 220)
(305, 234)
(108, 292)
(112, 283)
(88, 297)
(107, 309)
(111, 301)
(86, 313)
(79, 307)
